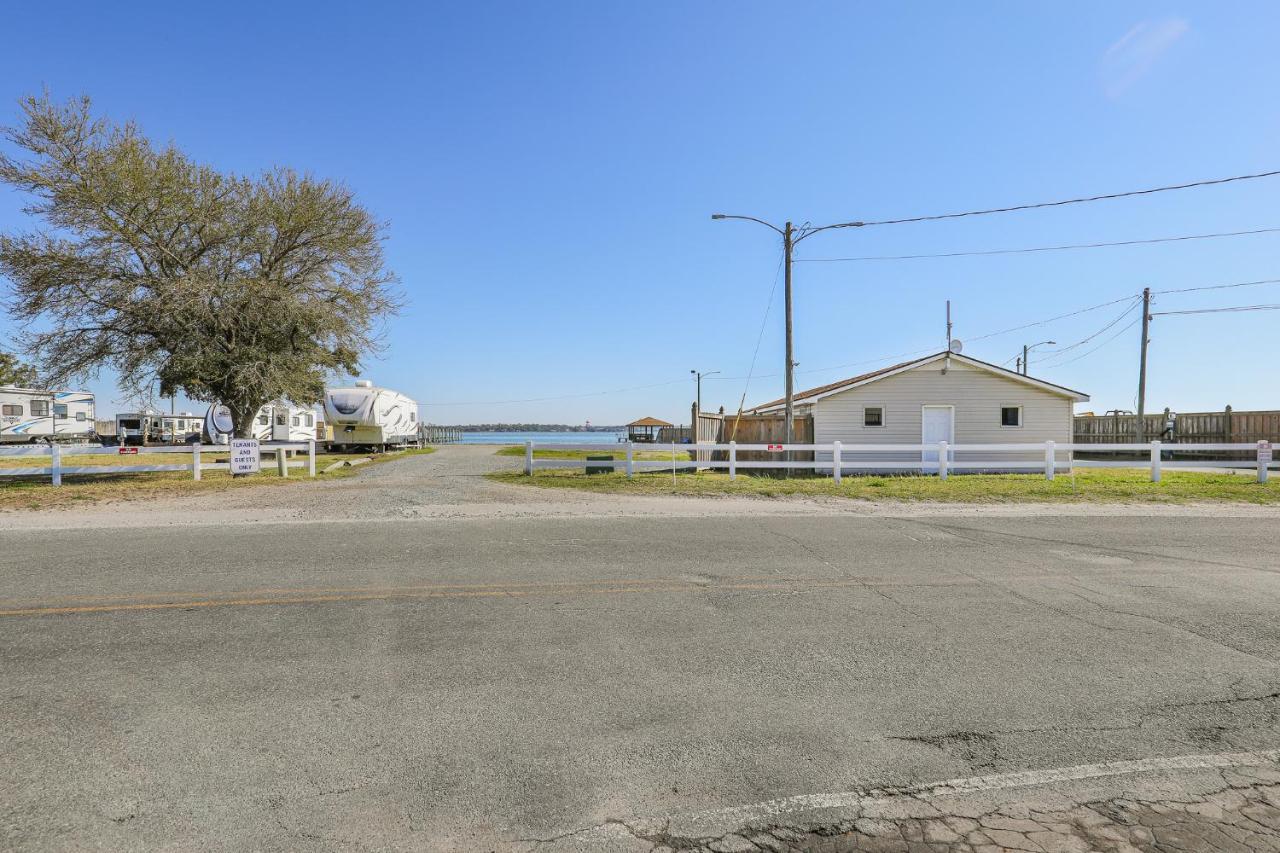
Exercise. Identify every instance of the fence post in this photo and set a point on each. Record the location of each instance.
(733, 461)
(835, 462)
(942, 460)
(1050, 460)
(1155, 461)
(282, 462)
(195, 460)
(631, 459)
(528, 458)
(55, 462)
(1264, 456)
(311, 458)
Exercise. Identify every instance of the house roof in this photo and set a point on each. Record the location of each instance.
(862, 379)
(649, 422)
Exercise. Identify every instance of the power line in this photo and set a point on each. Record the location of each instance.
(1050, 320)
(1060, 203)
(1052, 354)
(1234, 308)
(1028, 250)
(1221, 286)
(1087, 353)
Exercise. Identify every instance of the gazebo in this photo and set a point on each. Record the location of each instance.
(645, 430)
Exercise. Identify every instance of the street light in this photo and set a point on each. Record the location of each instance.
(1026, 350)
(699, 380)
(790, 236)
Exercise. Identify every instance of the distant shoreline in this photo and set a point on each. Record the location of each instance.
(530, 428)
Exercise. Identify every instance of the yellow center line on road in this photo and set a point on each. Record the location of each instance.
(425, 593)
(260, 592)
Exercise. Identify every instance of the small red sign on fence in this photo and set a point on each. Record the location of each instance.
(775, 448)
(127, 451)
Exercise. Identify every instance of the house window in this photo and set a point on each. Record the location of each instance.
(873, 416)
(1010, 416)
(39, 408)
(11, 410)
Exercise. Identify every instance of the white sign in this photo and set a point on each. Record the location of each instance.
(244, 456)
(1264, 451)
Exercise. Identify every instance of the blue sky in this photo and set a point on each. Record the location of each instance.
(548, 172)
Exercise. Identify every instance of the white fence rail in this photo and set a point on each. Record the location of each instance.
(57, 468)
(940, 458)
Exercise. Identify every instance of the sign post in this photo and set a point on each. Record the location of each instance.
(1264, 459)
(245, 456)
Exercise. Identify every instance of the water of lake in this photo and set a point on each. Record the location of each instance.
(542, 437)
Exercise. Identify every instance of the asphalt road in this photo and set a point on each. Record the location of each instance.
(485, 682)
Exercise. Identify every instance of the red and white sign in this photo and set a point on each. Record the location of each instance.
(775, 448)
(127, 451)
(1264, 451)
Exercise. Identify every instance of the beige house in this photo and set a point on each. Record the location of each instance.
(941, 397)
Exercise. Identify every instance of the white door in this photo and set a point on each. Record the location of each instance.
(938, 423)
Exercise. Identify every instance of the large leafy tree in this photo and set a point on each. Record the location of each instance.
(14, 372)
(240, 289)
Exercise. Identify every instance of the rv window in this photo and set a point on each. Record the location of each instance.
(297, 421)
(80, 416)
(40, 408)
(10, 409)
(282, 420)
(413, 417)
(262, 419)
(129, 425)
(59, 410)
(311, 421)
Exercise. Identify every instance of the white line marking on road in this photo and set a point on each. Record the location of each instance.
(740, 815)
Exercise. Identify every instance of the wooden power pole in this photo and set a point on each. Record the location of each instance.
(787, 243)
(1142, 365)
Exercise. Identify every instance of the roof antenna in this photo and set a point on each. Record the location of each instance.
(946, 362)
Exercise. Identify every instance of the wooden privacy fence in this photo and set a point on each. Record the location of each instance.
(1225, 427)
(720, 428)
(940, 458)
(56, 469)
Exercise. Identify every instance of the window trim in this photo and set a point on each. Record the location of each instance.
(1021, 416)
(884, 415)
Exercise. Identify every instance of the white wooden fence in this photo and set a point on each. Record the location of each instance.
(55, 469)
(940, 459)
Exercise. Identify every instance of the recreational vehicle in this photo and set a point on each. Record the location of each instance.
(365, 416)
(276, 421)
(34, 415)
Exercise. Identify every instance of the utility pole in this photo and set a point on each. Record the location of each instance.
(699, 376)
(1024, 359)
(787, 244)
(1142, 365)
(790, 237)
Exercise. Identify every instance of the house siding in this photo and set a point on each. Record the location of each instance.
(977, 396)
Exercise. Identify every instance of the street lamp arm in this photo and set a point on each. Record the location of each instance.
(748, 219)
(808, 232)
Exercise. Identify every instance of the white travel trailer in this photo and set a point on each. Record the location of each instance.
(365, 416)
(34, 415)
(152, 427)
(276, 421)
